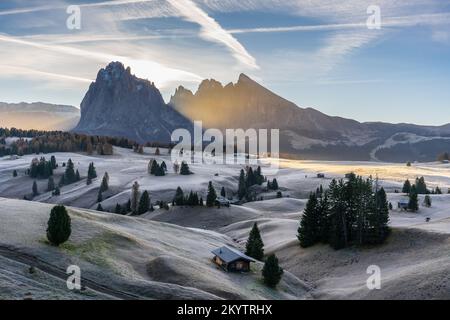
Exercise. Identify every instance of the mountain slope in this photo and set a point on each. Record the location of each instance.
(38, 115)
(307, 133)
(120, 104)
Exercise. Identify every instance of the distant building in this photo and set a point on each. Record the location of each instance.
(223, 202)
(232, 260)
(321, 175)
(403, 204)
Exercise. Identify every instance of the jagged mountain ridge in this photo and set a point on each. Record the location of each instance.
(306, 132)
(120, 104)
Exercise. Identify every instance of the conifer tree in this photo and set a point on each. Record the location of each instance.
(99, 196)
(92, 173)
(135, 197)
(164, 166)
(70, 176)
(179, 197)
(255, 245)
(99, 207)
(15, 173)
(309, 230)
(184, 170)
(211, 196)
(77, 176)
(144, 203)
(275, 184)
(118, 209)
(104, 186)
(35, 189)
(88, 181)
(53, 162)
(407, 187)
(57, 192)
(50, 184)
(223, 193)
(242, 188)
(272, 272)
(59, 226)
(427, 201)
(413, 204)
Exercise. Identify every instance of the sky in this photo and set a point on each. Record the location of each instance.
(315, 53)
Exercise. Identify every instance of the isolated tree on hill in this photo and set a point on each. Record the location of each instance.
(59, 226)
(184, 170)
(104, 186)
(438, 190)
(50, 184)
(35, 189)
(135, 197)
(309, 230)
(211, 196)
(255, 245)
(427, 201)
(272, 272)
(242, 187)
(15, 173)
(144, 203)
(99, 207)
(407, 187)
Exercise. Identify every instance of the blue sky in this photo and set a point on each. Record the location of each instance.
(316, 53)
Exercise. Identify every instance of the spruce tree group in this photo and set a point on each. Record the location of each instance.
(255, 245)
(59, 226)
(352, 212)
(247, 179)
(40, 169)
(184, 169)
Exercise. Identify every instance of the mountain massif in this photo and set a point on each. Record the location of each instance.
(305, 132)
(120, 104)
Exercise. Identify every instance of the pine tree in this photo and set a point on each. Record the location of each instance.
(88, 181)
(77, 176)
(157, 152)
(92, 173)
(427, 201)
(255, 245)
(184, 170)
(272, 272)
(70, 176)
(179, 197)
(99, 207)
(144, 203)
(164, 166)
(407, 187)
(50, 184)
(135, 197)
(275, 184)
(309, 230)
(413, 204)
(53, 162)
(104, 186)
(242, 188)
(211, 196)
(438, 190)
(15, 173)
(99, 196)
(378, 221)
(35, 189)
(223, 193)
(118, 209)
(59, 226)
(128, 206)
(154, 167)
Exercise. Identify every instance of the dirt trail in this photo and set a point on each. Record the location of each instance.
(27, 259)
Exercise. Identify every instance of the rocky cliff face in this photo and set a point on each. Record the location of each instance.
(120, 104)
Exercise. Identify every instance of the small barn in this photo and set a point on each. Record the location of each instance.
(231, 260)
